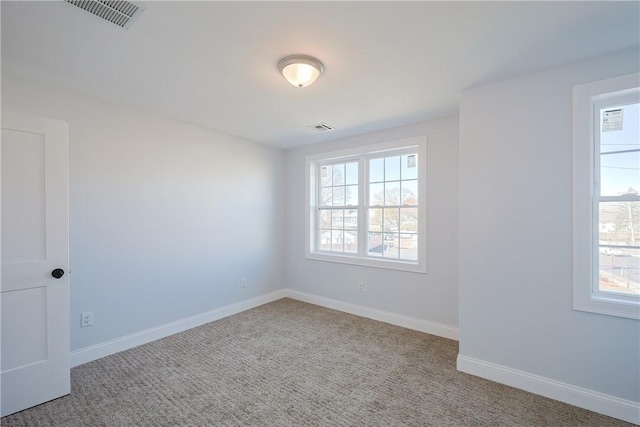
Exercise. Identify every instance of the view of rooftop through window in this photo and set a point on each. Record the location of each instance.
(338, 214)
(392, 208)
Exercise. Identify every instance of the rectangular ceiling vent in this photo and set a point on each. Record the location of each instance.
(322, 127)
(121, 13)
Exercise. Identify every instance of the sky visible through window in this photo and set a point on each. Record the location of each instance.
(621, 170)
(619, 220)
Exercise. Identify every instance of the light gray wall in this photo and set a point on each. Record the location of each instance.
(432, 296)
(515, 236)
(165, 218)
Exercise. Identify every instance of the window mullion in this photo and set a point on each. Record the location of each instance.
(316, 220)
(595, 203)
(621, 198)
(363, 196)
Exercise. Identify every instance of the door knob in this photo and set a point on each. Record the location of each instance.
(57, 273)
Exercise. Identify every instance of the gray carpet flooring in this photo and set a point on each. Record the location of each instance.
(289, 363)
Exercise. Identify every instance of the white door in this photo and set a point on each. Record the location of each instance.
(34, 234)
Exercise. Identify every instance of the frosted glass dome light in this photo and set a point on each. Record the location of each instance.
(300, 70)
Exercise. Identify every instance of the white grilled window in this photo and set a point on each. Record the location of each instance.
(367, 206)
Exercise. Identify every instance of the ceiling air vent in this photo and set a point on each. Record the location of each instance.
(322, 127)
(121, 13)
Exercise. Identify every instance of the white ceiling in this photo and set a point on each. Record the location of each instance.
(387, 64)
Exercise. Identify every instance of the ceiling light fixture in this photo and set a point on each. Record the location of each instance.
(300, 70)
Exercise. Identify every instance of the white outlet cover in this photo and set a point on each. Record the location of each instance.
(86, 319)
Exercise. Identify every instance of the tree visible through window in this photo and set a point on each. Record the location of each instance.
(393, 207)
(617, 200)
(369, 207)
(338, 208)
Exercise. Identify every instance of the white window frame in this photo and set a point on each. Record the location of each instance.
(313, 162)
(587, 101)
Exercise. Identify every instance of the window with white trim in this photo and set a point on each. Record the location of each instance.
(367, 206)
(606, 252)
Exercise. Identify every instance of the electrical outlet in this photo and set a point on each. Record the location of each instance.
(361, 287)
(243, 283)
(86, 319)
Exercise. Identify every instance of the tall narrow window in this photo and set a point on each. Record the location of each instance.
(617, 200)
(606, 172)
(367, 206)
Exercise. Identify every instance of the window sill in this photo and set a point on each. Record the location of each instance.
(608, 305)
(413, 267)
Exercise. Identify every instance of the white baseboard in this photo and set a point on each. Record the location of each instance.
(432, 328)
(94, 352)
(87, 354)
(598, 402)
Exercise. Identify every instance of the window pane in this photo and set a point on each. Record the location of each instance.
(620, 150)
(351, 219)
(325, 176)
(376, 170)
(392, 168)
(409, 247)
(409, 219)
(619, 173)
(619, 267)
(624, 136)
(325, 218)
(619, 270)
(325, 241)
(337, 241)
(390, 241)
(376, 194)
(337, 218)
(390, 219)
(338, 174)
(352, 195)
(409, 166)
(352, 173)
(392, 193)
(338, 196)
(375, 219)
(376, 247)
(619, 223)
(326, 195)
(410, 192)
(350, 241)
